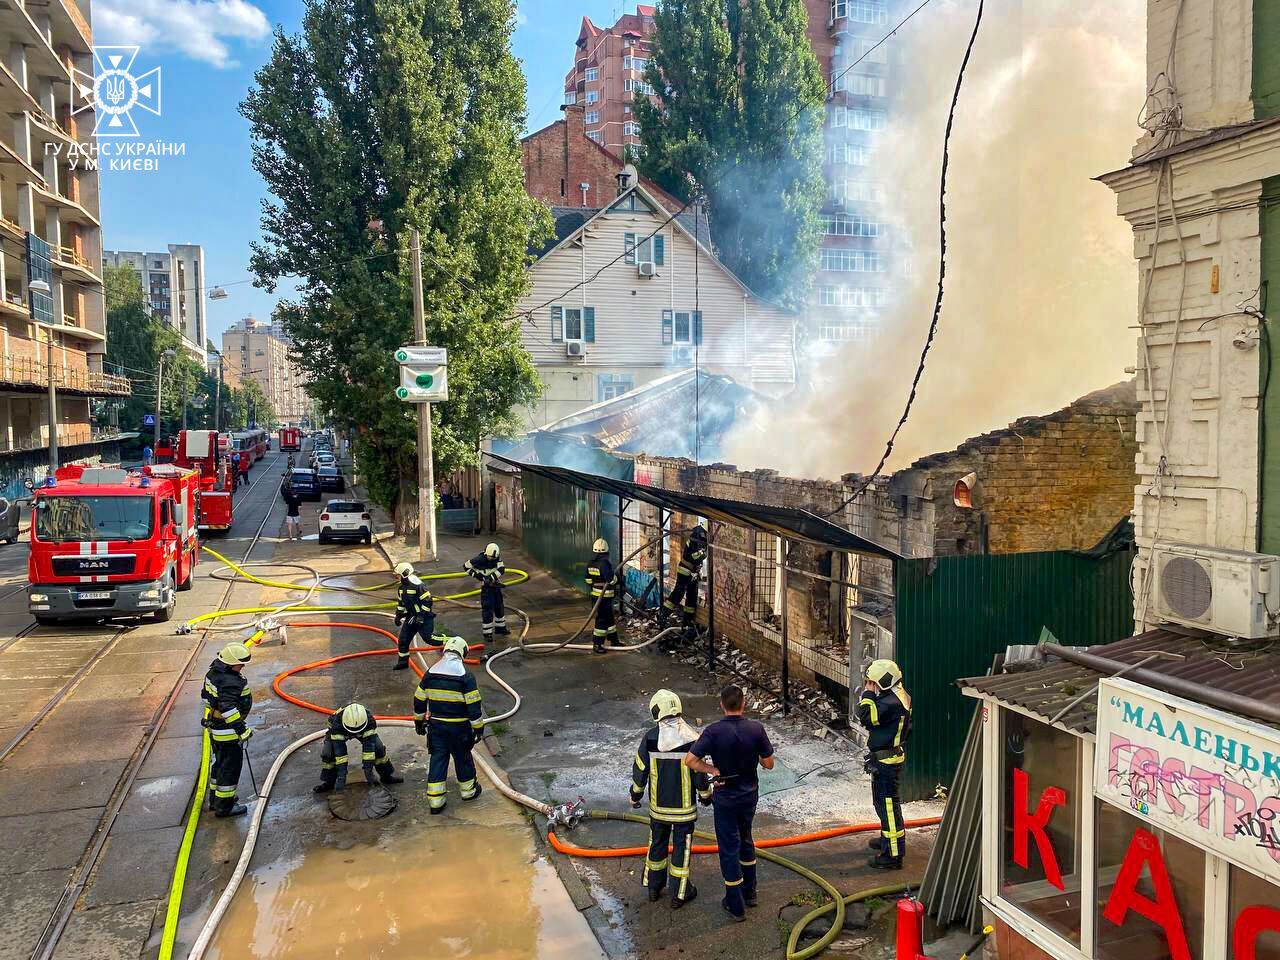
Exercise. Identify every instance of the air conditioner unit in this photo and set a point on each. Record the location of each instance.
(1230, 592)
(575, 348)
(646, 269)
(682, 353)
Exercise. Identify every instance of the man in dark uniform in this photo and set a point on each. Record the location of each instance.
(353, 720)
(729, 751)
(600, 578)
(447, 710)
(488, 568)
(672, 814)
(684, 596)
(415, 613)
(885, 710)
(227, 702)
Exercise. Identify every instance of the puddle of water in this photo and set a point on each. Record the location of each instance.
(456, 890)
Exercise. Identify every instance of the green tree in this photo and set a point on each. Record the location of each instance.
(739, 122)
(131, 339)
(406, 113)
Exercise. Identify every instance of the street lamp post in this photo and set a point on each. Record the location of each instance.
(160, 391)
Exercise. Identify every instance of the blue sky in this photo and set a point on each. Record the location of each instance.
(208, 51)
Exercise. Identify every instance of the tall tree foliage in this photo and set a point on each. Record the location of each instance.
(408, 113)
(740, 123)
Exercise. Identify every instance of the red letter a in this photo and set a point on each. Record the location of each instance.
(1025, 824)
(1144, 850)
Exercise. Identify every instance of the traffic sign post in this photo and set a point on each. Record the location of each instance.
(424, 380)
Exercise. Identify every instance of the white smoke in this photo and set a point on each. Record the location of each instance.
(1041, 283)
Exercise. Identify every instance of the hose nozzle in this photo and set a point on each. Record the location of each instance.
(567, 815)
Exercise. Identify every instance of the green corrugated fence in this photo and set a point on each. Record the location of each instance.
(954, 614)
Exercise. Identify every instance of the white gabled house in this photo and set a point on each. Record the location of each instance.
(612, 308)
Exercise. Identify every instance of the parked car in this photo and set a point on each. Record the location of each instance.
(304, 482)
(331, 479)
(323, 460)
(345, 520)
(9, 513)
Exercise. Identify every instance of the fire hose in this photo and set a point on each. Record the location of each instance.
(567, 814)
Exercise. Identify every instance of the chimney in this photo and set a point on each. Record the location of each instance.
(574, 122)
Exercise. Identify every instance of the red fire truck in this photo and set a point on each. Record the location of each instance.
(201, 451)
(106, 543)
(290, 438)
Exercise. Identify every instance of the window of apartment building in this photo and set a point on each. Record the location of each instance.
(626, 108)
(647, 250)
(856, 118)
(157, 265)
(595, 135)
(840, 296)
(853, 154)
(860, 84)
(1114, 832)
(573, 323)
(851, 261)
(868, 11)
(593, 96)
(850, 225)
(634, 63)
(631, 128)
(570, 97)
(610, 385)
(869, 51)
(592, 116)
(857, 191)
(593, 74)
(839, 10)
(637, 86)
(1041, 764)
(834, 328)
(766, 593)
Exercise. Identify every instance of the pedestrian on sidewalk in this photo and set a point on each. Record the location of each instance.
(487, 567)
(885, 711)
(353, 721)
(729, 751)
(447, 711)
(601, 579)
(415, 613)
(672, 815)
(293, 504)
(227, 702)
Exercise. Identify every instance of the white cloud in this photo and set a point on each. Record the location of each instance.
(197, 28)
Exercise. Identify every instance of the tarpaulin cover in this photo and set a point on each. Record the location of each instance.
(787, 522)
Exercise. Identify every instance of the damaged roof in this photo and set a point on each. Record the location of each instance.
(1245, 671)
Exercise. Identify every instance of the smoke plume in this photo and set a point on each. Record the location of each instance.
(1040, 282)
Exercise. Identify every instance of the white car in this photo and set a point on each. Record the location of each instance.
(345, 520)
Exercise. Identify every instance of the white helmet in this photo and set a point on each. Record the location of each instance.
(664, 704)
(885, 674)
(354, 717)
(404, 568)
(234, 653)
(600, 546)
(492, 551)
(456, 645)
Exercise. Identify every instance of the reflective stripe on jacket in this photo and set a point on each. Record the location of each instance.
(672, 785)
(227, 701)
(448, 699)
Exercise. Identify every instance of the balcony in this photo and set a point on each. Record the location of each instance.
(69, 259)
(24, 369)
(69, 435)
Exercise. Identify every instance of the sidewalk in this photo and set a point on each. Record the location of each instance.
(576, 735)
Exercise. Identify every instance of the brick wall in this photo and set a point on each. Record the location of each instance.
(1011, 945)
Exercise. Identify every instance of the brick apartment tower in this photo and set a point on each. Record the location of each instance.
(607, 76)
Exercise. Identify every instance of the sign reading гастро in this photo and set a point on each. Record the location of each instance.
(1208, 776)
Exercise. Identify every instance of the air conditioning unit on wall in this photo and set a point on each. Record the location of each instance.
(575, 348)
(684, 354)
(646, 269)
(1230, 592)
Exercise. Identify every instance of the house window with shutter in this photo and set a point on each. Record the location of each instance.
(645, 249)
(573, 323)
(684, 327)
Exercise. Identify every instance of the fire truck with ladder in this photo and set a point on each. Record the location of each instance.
(108, 543)
(201, 451)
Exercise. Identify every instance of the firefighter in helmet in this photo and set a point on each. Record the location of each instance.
(601, 580)
(660, 766)
(885, 710)
(447, 711)
(684, 596)
(487, 567)
(353, 721)
(415, 614)
(227, 702)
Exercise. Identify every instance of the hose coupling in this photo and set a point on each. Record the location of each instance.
(183, 629)
(567, 815)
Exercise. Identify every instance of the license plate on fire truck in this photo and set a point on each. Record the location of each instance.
(94, 595)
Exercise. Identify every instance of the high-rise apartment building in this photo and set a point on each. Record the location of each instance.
(257, 351)
(174, 281)
(608, 77)
(52, 313)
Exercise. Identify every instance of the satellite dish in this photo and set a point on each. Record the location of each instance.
(629, 171)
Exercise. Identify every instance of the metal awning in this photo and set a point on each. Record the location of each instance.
(788, 522)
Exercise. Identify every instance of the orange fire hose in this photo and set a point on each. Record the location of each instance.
(276, 684)
(601, 853)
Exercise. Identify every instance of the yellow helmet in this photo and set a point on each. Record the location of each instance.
(664, 704)
(234, 653)
(354, 717)
(600, 546)
(456, 645)
(885, 674)
(492, 551)
(404, 568)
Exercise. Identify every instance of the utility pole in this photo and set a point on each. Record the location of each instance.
(53, 408)
(159, 389)
(426, 468)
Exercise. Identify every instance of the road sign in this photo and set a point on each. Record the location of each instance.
(424, 374)
(148, 420)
